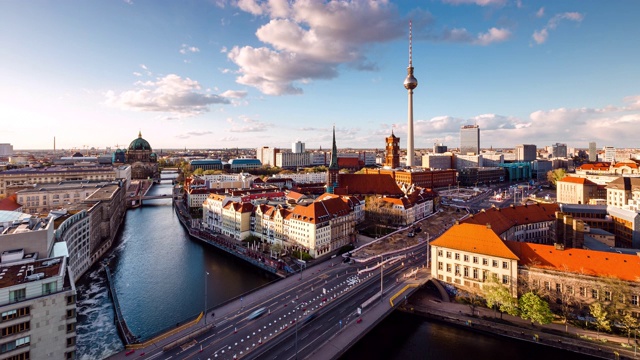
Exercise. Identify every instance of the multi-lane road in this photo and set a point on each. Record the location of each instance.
(299, 319)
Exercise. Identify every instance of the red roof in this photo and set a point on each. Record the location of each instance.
(599, 166)
(321, 210)
(579, 261)
(371, 184)
(349, 162)
(504, 219)
(10, 203)
(577, 180)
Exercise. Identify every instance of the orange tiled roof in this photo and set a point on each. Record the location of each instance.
(321, 211)
(599, 166)
(378, 184)
(10, 203)
(579, 261)
(348, 162)
(478, 239)
(577, 180)
(295, 195)
(504, 219)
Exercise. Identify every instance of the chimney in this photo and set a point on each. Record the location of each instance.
(488, 226)
(559, 246)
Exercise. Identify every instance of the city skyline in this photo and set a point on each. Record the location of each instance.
(225, 74)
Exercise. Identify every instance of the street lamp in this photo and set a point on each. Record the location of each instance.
(206, 277)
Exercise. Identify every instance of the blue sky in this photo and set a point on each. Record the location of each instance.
(249, 73)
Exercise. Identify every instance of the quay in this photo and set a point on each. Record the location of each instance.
(123, 330)
(231, 246)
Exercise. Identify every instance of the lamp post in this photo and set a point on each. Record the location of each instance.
(206, 277)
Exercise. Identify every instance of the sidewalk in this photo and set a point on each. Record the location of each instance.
(575, 339)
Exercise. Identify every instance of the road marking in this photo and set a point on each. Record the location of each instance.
(154, 356)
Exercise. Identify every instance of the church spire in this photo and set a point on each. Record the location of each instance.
(333, 165)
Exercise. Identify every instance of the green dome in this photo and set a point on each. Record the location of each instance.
(140, 144)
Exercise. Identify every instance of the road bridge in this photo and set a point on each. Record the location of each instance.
(318, 315)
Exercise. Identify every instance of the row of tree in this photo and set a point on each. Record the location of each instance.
(610, 308)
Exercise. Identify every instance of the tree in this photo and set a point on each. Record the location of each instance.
(601, 315)
(629, 322)
(498, 297)
(554, 175)
(198, 171)
(534, 308)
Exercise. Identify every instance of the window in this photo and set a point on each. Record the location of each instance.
(634, 300)
(495, 263)
(583, 292)
(448, 267)
(505, 279)
(607, 295)
(448, 254)
(71, 327)
(14, 344)
(475, 259)
(457, 256)
(505, 265)
(17, 295)
(439, 252)
(466, 271)
(466, 258)
(439, 265)
(15, 313)
(569, 289)
(558, 288)
(547, 285)
(14, 329)
(475, 273)
(49, 288)
(485, 261)
(457, 269)
(594, 293)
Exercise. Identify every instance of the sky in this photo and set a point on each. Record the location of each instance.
(252, 73)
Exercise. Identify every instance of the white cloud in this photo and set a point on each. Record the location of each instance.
(307, 40)
(492, 36)
(477, 2)
(234, 94)
(184, 49)
(171, 94)
(190, 134)
(247, 124)
(541, 36)
(135, 73)
(540, 12)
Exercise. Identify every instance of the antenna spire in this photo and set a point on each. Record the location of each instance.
(410, 46)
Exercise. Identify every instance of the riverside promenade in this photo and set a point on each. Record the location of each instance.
(588, 342)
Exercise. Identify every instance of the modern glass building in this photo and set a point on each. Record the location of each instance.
(470, 139)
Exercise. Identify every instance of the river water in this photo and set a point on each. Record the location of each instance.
(159, 276)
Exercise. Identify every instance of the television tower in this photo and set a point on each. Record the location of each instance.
(410, 83)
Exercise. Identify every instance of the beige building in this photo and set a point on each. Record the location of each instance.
(624, 192)
(573, 190)
(467, 255)
(13, 180)
(45, 197)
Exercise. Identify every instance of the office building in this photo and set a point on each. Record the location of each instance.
(593, 152)
(6, 150)
(609, 154)
(559, 150)
(526, 152)
(439, 149)
(470, 140)
(297, 147)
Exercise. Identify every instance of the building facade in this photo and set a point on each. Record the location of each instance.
(470, 140)
(526, 152)
(392, 151)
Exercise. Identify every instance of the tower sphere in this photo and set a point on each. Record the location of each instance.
(410, 82)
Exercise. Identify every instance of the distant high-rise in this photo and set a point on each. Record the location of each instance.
(392, 158)
(297, 147)
(6, 149)
(526, 152)
(439, 148)
(410, 83)
(609, 154)
(559, 150)
(470, 139)
(593, 152)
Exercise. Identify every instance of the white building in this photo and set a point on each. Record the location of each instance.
(437, 161)
(6, 150)
(75, 231)
(468, 161)
(609, 154)
(297, 147)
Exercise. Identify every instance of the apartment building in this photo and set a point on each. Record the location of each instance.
(574, 190)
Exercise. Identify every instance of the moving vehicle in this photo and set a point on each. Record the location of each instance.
(256, 314)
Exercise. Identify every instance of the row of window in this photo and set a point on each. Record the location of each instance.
(15, 313)
(475, 272)
(14, 329)
(485, 261)
(14, 344)
(585, 292)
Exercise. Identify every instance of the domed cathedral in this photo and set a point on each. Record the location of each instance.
(144, 162)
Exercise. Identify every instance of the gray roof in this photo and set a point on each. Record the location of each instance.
(583, 208)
